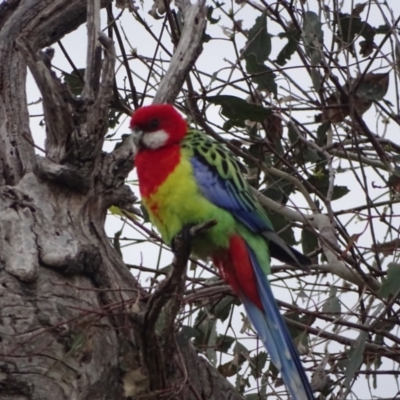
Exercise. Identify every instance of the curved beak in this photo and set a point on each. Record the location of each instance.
(136, 137)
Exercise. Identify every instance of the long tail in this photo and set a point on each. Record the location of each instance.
(272, 330)
(241, 269)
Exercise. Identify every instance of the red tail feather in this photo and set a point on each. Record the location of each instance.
(235, 266)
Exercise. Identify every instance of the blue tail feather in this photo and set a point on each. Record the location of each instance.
(275, 336)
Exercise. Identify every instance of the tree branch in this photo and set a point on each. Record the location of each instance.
(189, 48)
(168, 296)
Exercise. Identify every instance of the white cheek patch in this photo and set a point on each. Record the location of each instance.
(155, 140)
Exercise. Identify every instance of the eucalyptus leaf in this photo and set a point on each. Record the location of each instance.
(332, 304)
(261, 75)
(391, 283)
(313, 36)
(223, 308)
(290, 47)
(75, 81)
(257, 363)
(309, 241)
(373, 86)
(259, 41)
(321, 183)
(236, 108)
(350, 25)
(355, 359)
(224, 343)
(210, 18)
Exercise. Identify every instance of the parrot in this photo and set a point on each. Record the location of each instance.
(187, 178)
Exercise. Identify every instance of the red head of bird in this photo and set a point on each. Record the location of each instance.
(156, 126)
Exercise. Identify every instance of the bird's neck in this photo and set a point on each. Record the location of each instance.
(154, 166)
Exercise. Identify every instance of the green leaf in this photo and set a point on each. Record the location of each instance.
(78, 341)
(117, 243)
(210, 18)
(383, 29)
(391, 283)
(366, 47)
(339, 191)
(241, 383)
(282, 226)
(207, 334)
(257, 150)
(146, 216)
(313, 36)
(228, 369)
(237, 109)
(384, 326)
(75, 81)
(293, 136)
(278, 189)
(257, 50)
(223, 308)
(273, 371)
(262, 75)
(187, 332)
(349, 26)
(373, 86)
(290, 47)
(358, 9)
(316, 79)
(332, 305)
(232, 367)
(355, 359)
(241, 353)
(224, 343)
(211, 344)
(322, 133)
(259, 42)
(397, 57)
(253, 396)
(321, 183)
(257, 363)
(114, 210)
(113, 119)
(201, 328)
(229, 124)
(309, 241)
(300, 336)
(311, 155)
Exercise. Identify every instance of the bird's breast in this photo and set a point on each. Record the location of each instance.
(169, 193)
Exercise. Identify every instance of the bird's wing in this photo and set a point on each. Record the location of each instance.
(219, 176)
(220, 179)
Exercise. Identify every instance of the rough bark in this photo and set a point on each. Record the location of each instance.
(74, 323)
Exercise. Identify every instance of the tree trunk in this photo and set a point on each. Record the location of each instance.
(74, 322)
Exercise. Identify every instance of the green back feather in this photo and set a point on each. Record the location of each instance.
(228, 168)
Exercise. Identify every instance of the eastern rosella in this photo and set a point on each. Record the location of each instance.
(187, 178)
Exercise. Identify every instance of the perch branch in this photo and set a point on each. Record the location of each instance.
(169, 296)
(173, 285)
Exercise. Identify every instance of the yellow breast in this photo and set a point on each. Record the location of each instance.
(178, 202)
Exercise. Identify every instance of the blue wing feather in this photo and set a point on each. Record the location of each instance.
(224, 194)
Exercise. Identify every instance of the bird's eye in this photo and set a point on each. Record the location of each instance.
(153, 124)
